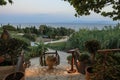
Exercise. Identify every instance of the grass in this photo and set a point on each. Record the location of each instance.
(58, 46)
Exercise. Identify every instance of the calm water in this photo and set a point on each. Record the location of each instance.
(75, 26)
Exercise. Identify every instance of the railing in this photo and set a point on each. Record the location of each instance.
(75, 56)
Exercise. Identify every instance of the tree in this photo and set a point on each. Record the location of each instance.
(4, 2)
(84, 7)
(9, 27)
(10, 46)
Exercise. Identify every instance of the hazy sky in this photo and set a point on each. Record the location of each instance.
(42, 11)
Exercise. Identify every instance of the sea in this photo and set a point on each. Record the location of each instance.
(75, 26)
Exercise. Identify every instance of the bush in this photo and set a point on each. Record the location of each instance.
(58, 46)
(106, 66)
(84, 57)
(30, 36)
(9, 27)
(108, 37)
(69, 58)
(92, 46)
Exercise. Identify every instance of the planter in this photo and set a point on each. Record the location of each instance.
(2, 59)
(50, 61)
(15, 76)
(4, 70)
(82, 66)
(88, 72)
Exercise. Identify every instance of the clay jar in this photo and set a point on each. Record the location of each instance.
(50, 61)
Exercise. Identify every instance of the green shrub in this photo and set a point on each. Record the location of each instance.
(30, 36)
(9, 27)
(107, 68)
(109, 37)
(92, 46)
(84, 57)
(36, 51)
(69, 58)
(58, 46)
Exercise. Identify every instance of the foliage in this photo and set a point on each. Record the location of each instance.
(43, 30)
(25, 41)
(4, 2)
(37, 50)
(29, 30)
(41, 47)
(11, 47)
(92, 45)
(53, 32)
(30, 36)
(33, 52)
(69, 58)
(84, 57)
(58, 46)
(109, 37)
(84, 7)
(27, 56)
(9, 27)
(106, 66)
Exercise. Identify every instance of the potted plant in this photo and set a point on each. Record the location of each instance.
(15, 76)
(84, 61)
(10, 48)
(2, 59)
(27, 62)
(92, 46)
(88, 72)
(69, 58)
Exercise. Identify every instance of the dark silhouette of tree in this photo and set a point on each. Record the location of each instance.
(4, 2)
(84, 7)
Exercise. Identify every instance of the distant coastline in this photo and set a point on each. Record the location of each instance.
(76, 26)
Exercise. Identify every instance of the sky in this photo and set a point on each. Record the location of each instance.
(43, 11)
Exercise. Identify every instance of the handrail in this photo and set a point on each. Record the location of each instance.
(75, 55)
(108, 50)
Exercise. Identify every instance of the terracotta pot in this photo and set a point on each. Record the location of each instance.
(2, 59)
(50, 61)
(88, 72)
(82, 67)
(4, 70)
(15, 76)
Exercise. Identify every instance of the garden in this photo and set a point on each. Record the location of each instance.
(94, 54)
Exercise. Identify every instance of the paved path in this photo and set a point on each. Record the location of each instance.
(63, 58)
(63, 67)
(61, 40)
